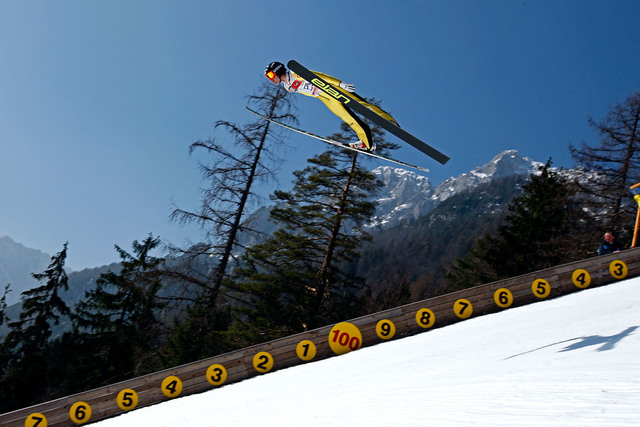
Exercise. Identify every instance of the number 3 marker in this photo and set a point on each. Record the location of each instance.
(216, 374)
(618, 269)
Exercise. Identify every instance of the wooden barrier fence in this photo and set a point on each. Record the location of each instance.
(403, 321)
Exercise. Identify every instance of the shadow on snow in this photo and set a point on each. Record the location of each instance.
(606, 342)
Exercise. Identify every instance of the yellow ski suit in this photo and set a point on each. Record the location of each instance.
(297, 84)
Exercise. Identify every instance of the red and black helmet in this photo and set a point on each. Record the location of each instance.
(275, 69)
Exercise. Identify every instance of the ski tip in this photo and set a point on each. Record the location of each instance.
(435, 155)
(254, 111)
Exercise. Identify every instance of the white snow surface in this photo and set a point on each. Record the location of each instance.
(570, 361)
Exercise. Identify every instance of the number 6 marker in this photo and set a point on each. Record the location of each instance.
(80, 412)
(503, 298)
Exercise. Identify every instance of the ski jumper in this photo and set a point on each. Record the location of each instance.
(297, 84)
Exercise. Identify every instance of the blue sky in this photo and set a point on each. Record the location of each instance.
(100, 100)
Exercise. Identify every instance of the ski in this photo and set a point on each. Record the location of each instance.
(339, 144)
(347, 100)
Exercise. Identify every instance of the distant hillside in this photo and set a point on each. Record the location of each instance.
(416, 253)
(17, 263)
(79, 283)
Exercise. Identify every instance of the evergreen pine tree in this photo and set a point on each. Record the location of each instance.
(232, 172)
(297, 279)
(4, 351)
(3, 305)
(118, 318)
(26, 377)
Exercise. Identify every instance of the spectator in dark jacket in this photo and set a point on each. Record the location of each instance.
(608, 245)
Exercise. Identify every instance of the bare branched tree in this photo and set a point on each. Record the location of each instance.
(612, 166)
(232, 170)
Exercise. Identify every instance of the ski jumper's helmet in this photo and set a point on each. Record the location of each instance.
(275, 69)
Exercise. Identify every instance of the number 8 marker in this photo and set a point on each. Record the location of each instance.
(425, 318)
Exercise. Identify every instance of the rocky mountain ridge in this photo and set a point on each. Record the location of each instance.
(407, 195)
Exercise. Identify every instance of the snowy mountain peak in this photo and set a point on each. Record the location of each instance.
(400, 181)
(507, 163)
(407, 195)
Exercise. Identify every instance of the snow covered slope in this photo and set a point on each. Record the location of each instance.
(571, 361)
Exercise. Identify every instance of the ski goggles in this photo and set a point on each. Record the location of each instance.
(271, 75)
